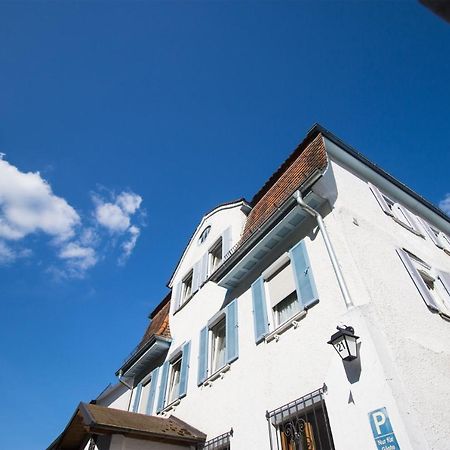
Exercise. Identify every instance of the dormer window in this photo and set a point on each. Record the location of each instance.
(215, 256)
(204, 235)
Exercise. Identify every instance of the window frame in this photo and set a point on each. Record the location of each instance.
(176, 361)
(212, 356)
(208, 370)
(213, 261)
(397, 211)
(439, 293)
(185, 294)
(280, 264)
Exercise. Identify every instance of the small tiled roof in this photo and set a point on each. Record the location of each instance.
(91, 419)
(159, 324)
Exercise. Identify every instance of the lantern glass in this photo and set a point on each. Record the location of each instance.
(345, 344)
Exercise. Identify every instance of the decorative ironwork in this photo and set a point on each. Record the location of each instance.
(301, 424)
(221, 442)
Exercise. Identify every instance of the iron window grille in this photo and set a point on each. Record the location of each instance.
(301, 425)
(221, 442)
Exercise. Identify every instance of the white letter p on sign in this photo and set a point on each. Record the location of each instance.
(379, 419)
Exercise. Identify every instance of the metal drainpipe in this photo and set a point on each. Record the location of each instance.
(334, 262)
(129, 387)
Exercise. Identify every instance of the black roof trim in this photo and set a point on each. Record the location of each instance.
(317, 128)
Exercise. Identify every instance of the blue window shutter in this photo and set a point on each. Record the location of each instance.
(231, 323)
(226, 242)
(137, 397)
(259, 310)
(196, 276)
(163, 387)
(203, 356)
(304, 280)
(152, 392)
(184, 369)
(176, 294)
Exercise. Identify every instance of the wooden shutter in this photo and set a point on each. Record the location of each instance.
(418, 280)
(196, 276)
(203, 356)
(304, 280)
(260, 319)
(137, 397)
(184, 373)
(412, 219)
(226, 242)
(176, 295)
(152, 391)
(430, 233)
(231, 333)
(382, 202)
(163, 387)
(444, 277)
(204, 268)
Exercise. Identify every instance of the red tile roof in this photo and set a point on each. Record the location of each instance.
(310, 156)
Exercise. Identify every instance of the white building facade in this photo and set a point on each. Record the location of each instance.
(330, 240)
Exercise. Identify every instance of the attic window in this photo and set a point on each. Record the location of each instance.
(204, 235)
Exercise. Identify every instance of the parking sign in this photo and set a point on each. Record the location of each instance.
(382, 430)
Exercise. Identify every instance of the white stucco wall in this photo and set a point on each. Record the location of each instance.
(119, 442)
(404, 353)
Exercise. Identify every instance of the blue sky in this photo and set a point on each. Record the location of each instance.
(123, 122)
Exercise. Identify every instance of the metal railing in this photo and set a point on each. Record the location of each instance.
(221, 442)
(301, 425)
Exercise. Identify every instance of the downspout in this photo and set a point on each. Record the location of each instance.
(128, 386)
(334, 262)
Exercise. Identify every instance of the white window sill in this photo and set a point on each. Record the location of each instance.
(291, 323)
(170, 406)
(217, 374)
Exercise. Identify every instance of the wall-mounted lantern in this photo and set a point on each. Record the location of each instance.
(344, 342)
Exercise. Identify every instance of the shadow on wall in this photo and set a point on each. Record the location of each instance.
(353, 368)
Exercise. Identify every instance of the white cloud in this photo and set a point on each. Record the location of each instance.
(128, 246)
(129, 202)
(116, 216)
(28, 205)
(444, 204)
(79, 258)
(9, 255)
(112, 217)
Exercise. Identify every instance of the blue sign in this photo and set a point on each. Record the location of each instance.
(382, 430)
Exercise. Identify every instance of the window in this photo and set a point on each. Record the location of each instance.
(301, 425)
(433, 285)
(174, 378)
(218, 343)
(282, 292)
(440, 239)
(398, 212)
(204, 235)
(215, 256)
(186, 287)
(174, 384)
